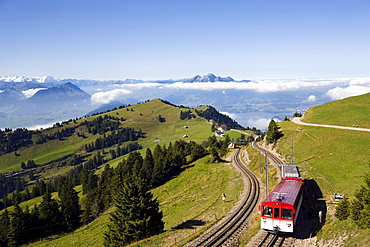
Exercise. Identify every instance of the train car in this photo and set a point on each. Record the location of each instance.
(279, 211)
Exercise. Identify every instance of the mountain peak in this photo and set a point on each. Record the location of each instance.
(209, 78)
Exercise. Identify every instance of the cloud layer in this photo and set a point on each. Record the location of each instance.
(340, 87)
(356, 86)
(30, 92)
(109, 96)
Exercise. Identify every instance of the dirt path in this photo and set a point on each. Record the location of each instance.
(297, 120)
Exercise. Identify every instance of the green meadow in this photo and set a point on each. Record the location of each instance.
(346, 112)
(336, 159)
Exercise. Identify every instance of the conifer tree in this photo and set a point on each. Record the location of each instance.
(4, 227)
(273, 132)
(360, 209)
(137, 215)
(69, 205)
(342, 210)
(50, 215)
(16, 226)
(148, 165)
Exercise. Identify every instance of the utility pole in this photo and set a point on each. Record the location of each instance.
(292, 158)
(267, 175)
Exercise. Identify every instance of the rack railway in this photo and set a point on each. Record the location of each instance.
(279, 210)
(227, 231)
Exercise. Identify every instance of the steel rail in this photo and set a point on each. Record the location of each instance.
(228, 230)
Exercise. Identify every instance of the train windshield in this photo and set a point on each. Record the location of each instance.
(267, 211)
(286, 213)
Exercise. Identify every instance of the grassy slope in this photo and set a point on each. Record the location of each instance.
(204, 205)
(193, 195)
(142, 116)
(335, 159)
(346, 112)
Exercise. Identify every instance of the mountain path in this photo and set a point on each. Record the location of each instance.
(297, 120)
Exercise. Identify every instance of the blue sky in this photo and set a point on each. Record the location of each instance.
(160, 39)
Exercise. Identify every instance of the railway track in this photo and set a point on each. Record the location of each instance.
(266, 239)
(227, 231)
(272, 157)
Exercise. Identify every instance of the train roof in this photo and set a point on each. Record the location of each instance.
(285, 193)
(290, 171)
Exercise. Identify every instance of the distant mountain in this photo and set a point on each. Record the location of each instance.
(58, 98)
(27, 101)
(209, 78)
(43, 79)
(66, 91)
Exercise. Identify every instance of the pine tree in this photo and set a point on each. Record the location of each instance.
(148, 165)
(360, 207)
(272, 133)
(4, 227)
(50, 215)
(16, 226)
(137, 215)
(69, 205)
(342, 210)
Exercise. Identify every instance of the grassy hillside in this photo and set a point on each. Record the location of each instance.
(142, 116)
(336, 159)
(346, 112)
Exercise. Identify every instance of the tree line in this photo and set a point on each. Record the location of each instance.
(357, 209)
(123, 187)
(212, 113)
(11, 141)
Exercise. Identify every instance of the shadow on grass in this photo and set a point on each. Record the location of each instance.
(310, 220)
(190, 224)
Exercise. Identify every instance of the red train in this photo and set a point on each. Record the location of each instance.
(279, 211)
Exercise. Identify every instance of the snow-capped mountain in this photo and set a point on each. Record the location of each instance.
(209, 78)
(42, 79)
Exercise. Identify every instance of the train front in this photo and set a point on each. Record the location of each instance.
(280, 209)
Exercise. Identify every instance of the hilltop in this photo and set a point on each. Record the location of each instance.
(346, 112)
(150, 118)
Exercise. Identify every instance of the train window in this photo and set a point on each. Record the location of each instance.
(286, 213)
(277, 212)
(267, 211)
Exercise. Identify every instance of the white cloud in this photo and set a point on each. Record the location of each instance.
(311, 98)
(261, 123)
(30, 92)
(344, 92)
(360, 81)
(262, 86)
(109, 96)
(138, 86)
(231, 115)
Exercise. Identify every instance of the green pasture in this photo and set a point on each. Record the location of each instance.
(142, 116)
(346, 112)
(336, 159)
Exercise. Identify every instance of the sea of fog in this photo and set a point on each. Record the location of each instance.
(260, 120)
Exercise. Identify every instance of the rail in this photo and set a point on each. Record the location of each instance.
(228, 231)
